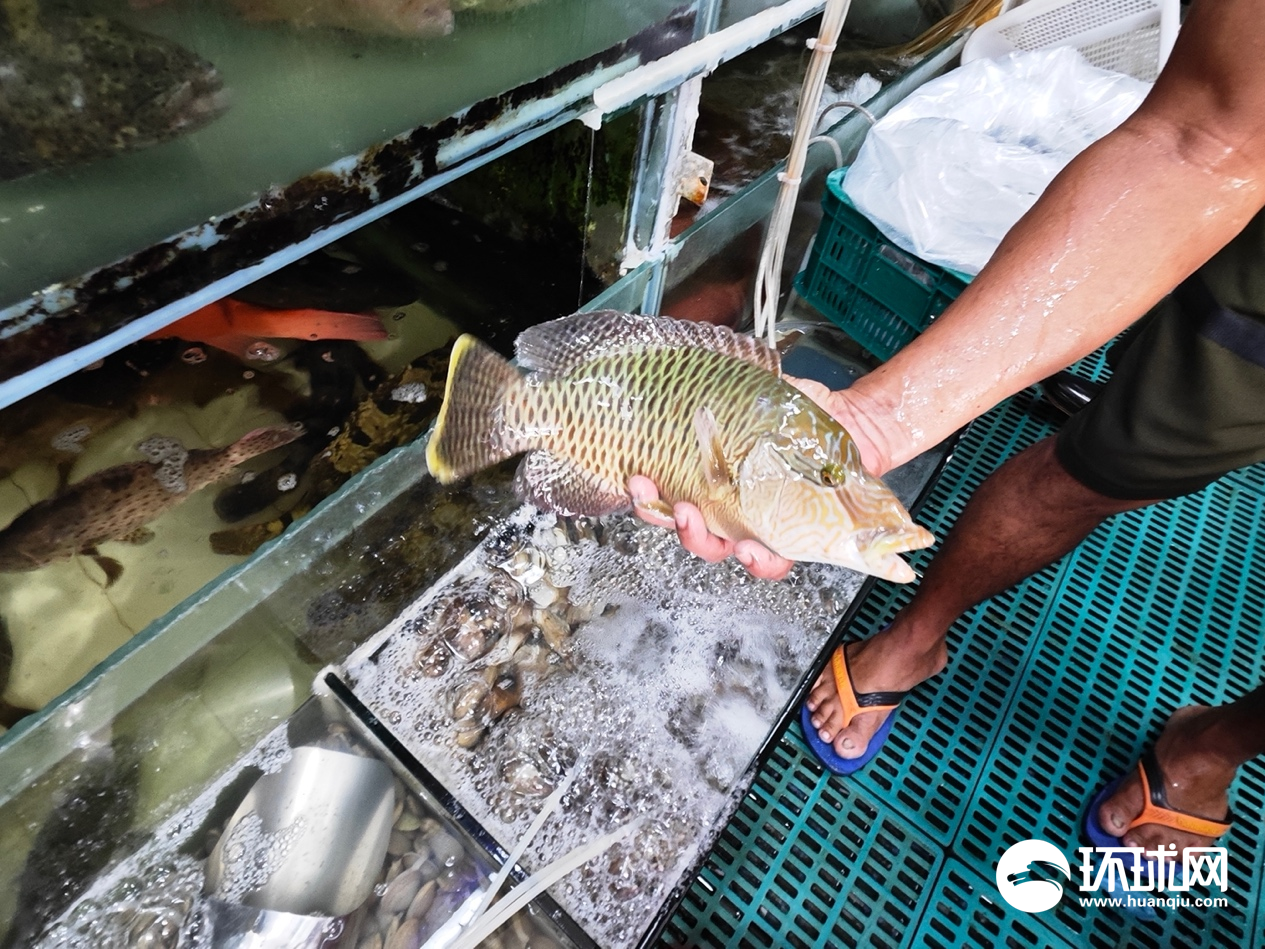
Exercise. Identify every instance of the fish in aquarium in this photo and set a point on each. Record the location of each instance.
(75, 89)
(10, 715)
(491, 6)
(402, 18)
(236, 327)
(699, 409)
(116, 503)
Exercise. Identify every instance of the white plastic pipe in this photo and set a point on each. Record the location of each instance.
(769, 272)
(696, 59)
(540, 881)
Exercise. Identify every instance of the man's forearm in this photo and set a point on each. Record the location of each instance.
(1127, 221)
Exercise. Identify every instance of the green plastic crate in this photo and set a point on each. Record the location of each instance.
(877, 293)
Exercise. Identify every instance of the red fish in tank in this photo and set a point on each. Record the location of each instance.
(241, 328)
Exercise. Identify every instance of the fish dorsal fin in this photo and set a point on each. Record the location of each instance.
(557, 347)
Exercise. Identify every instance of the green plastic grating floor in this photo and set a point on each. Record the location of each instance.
(1053, 688)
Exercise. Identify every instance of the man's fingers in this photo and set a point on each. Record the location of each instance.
(762, 562)
(696, 538)
(647, 505)
(810, 387)
(687, 521)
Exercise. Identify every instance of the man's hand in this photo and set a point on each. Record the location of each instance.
(687, 520)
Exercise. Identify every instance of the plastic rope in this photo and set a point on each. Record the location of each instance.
(769, 271)
(550, 805)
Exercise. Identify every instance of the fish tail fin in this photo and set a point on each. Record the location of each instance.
(261, 440)
(469, 434)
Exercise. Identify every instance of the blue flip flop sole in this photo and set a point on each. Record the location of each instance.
(1099, 835)
(825, 752)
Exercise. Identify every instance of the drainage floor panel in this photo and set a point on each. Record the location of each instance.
(1053, 689)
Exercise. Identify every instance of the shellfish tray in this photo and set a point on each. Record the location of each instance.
(599, 653)
(430, 870)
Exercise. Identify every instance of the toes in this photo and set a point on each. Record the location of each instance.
(1111, 817)
(823, 706)
(1115, 813)
(848, 744)
(828, 720)
(822, 692)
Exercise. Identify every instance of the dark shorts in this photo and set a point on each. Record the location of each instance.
(1185, 405)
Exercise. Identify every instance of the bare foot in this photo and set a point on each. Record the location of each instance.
(1196, 782)
(885, 662)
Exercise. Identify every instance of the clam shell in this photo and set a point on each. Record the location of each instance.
(467, 697)
(407, 822)
(555, 630)
(399, 895)
(526, 566)
(407, 936)
(423, 900)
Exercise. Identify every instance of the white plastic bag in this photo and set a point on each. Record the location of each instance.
(947, 172)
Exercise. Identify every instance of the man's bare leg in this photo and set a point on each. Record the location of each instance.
(1199, 752)
(1029, 513)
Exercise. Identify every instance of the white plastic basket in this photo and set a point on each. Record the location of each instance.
(1128, 36)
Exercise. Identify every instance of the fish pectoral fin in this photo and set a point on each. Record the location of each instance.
(716, 469)
(559, 485)
(142, 535)
(109, 566)
(660, 507)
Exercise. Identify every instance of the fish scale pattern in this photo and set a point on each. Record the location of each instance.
(642, 420)
(1053, 689)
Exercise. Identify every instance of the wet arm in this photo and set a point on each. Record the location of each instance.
(1124, 223)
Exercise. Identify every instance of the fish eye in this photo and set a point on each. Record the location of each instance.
(832, 476)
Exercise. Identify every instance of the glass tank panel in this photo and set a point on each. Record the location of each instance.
(538, 222)
(710, 274)
(246, 96)
(152, 727)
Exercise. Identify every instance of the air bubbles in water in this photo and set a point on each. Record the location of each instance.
(653, 674)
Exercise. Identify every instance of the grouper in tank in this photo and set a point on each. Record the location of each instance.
(699, 409)
(116, 503)
(74, 89)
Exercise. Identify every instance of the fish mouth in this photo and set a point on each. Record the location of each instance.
(880, 549)
(882, 541)
(197, 101)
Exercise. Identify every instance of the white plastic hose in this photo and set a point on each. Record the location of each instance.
(538, 882)
(467, 915)
(769, 272)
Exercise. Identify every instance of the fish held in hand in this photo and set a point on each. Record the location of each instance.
(700, 410)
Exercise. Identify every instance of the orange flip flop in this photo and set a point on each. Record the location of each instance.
(854, 703)
(1155, 810)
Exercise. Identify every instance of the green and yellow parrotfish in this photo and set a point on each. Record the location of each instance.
(700, 410)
